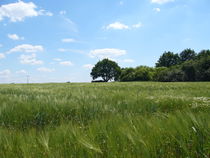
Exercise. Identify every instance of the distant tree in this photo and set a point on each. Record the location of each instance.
(158, 73)
(144, 73)
(187, 54)
(189, 69)
(203, 69)
(127, 74)
(107, 70)
(203, 54)
(140, 73)
(171, 75)
(168, 59)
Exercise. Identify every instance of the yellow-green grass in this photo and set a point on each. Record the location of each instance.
(105, 120)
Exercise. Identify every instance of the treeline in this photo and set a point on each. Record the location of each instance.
(185, 66)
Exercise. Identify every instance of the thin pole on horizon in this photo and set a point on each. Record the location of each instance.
(28, 77)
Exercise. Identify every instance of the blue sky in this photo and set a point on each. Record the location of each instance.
(59, 42)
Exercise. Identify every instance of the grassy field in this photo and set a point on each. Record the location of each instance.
(105, 120)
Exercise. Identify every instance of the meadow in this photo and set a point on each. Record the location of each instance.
(105, 120)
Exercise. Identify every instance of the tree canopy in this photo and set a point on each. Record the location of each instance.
(187, 54)
(168, 59)
(203, 54)
(106, 69)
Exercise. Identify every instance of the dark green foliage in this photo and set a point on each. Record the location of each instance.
(127, 74)
(144, 73)
(187, 54)
(194, 68)
(186, 66)
(171, 75)
(107, 70)
(140, 73)
(203, 54)
(203, 69)
(189, 69)
(168, 59)
(157, 73)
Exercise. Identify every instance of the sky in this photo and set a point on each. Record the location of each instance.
(46, 41)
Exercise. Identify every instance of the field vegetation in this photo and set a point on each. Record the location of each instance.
(105, 120)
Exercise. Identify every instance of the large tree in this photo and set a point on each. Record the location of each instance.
(107, 70)
(187, 54)
(168, 59)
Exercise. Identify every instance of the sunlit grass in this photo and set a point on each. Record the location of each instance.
(106, 120)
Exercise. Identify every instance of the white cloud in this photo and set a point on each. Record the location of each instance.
(68, 40)
(30, 59)
(1, 45)
(161, 1)
(121, 26)
(2, 56)
(66, 63)
(106, 53)
(18, 11)
(57, 59)
(26, 48)
(88, 66)
(44, 69)
(128, 60)
(5, 73)
(137, 25)
(157, 9)
(62, 12)
(49, 14)
(44, 12)
(117, 26)
(21, 72)
(15, 37)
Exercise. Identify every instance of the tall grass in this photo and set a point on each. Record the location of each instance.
(112, 120)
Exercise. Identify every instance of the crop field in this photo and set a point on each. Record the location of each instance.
(105, 120)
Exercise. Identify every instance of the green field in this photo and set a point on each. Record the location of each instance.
(105, 120)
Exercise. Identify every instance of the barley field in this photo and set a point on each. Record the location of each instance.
(105, 120)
